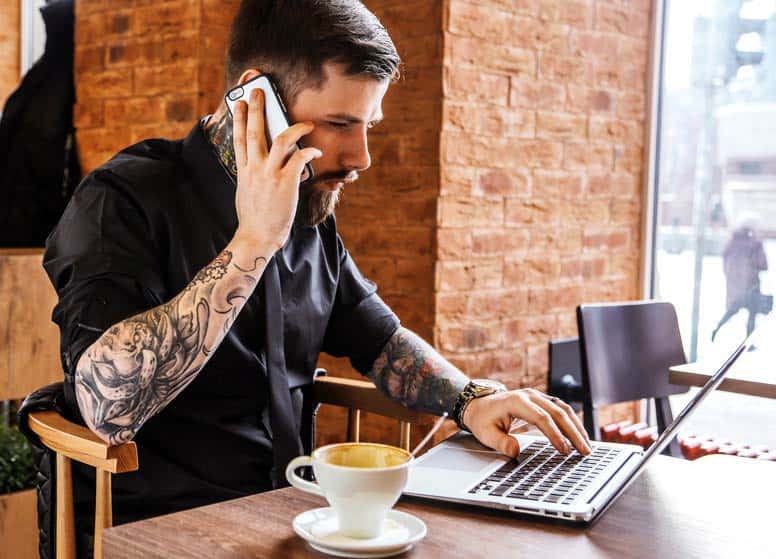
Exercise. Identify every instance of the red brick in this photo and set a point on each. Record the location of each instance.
(474, 85)
(491, 56)
(469, 19)
(135, 110)
(472, 337)
(168, 17)
(474, 274)
(454, 244)
(528, 329)
(631, 104)
(502, 182)
(110, 83)
(587, 156)
(534, 94)
(88, 114)
(584, 99)
(566, 69)
(104, 139)
(558, 125)
(468, 212)
(174, 78)
(89, 58)
(576, 13)
(531, 211)
(557, 183)
(593, 44)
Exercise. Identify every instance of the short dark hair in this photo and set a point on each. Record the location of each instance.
(292, 39)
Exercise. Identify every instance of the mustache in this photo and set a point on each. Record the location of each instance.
(343, 176)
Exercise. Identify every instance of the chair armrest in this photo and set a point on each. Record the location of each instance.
(79, 443)
(362, 395)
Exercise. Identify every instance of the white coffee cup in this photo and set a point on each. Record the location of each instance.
(361, 481)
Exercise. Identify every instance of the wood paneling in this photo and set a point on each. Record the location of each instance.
(29, 341)
(19, 524)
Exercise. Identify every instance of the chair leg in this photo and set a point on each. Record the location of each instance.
(404, 435)
(354, 425)
(103, 511)
(65, 515)
(590, 421)
(664, 419)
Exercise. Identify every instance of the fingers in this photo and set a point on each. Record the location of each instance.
(238, 133)
(500, 441)
(283, 144)
(544, 421)
(563, 417)
(256, 137)
(299, 159)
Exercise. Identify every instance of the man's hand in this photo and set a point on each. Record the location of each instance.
(489, 419)
(267, 179)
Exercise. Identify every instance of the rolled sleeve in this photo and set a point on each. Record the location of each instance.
(361, 323)
(101, 260)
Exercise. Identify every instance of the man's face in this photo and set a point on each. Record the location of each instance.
(343, 110)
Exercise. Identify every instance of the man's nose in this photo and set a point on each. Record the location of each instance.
(356, 153)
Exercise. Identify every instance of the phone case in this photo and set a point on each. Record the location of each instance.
(275, 113)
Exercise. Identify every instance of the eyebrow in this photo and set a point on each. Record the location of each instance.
(352, 119)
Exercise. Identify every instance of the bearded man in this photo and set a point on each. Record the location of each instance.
(198, 281)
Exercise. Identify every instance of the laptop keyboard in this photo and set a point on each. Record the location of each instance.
(541, 473)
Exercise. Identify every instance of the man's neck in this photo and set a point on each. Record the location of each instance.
(218, 131)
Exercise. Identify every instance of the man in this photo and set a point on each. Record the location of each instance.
(198, 280)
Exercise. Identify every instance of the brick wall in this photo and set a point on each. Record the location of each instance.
(9, 48)
(505, 186)
(144, 69)
(541, 160)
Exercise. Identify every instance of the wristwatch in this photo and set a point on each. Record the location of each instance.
(477, 388)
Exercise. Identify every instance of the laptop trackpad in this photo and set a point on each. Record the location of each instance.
(459, 460)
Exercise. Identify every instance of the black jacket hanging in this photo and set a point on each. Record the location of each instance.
(38, 161)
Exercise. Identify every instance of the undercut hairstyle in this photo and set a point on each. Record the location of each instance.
(292, 39)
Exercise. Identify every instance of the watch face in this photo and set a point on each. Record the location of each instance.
(488, 384)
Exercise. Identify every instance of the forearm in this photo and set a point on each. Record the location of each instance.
(413, 373)
(141, 364)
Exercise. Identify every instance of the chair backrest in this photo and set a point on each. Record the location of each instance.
(564, 378)
(627, 349)
(358, 396)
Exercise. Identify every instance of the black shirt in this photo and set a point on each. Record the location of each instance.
(135, 233)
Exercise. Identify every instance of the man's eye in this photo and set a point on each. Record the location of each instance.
(338, 124)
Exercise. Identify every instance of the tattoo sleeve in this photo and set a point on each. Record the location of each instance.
(141, 364)
(412, 373)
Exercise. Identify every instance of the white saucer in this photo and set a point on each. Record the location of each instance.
(319, 527)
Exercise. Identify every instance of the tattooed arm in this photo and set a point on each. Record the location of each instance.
(412, 373)
(140, 364)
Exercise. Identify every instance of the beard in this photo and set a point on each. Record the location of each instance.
(315, 204)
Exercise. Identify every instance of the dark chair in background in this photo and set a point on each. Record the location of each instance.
(626, 350)
(564, 379)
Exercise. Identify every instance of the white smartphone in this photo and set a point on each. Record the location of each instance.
(275, 114)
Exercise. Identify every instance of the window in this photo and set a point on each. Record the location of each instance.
(713, 242)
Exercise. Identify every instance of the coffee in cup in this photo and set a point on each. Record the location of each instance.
(361, 481)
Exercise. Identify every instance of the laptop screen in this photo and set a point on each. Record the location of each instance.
(670, 432)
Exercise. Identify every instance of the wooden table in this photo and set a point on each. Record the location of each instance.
(717, 506)
(753, 374)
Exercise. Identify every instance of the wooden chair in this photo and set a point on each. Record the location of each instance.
(71, 441)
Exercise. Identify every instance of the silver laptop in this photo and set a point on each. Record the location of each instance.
(542, 481)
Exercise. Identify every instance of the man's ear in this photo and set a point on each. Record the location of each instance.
(248, 75)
